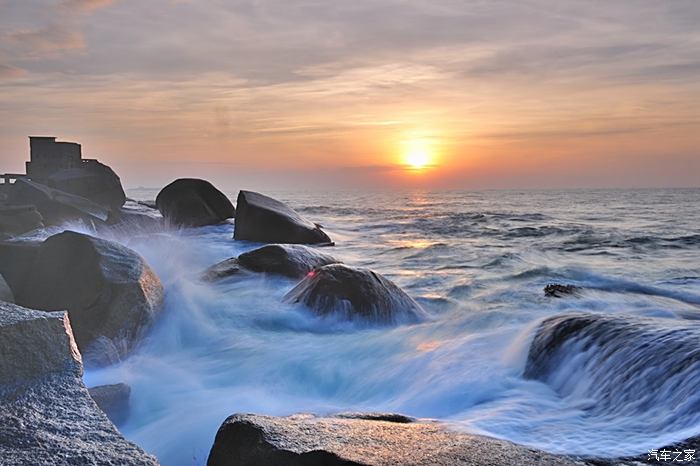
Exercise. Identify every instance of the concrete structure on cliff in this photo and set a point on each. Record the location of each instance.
(47, 156)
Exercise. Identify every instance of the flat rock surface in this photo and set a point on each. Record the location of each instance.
(308, 440)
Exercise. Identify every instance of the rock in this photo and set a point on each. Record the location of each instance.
(113, 400)
(290, 260)
(46, 414)
(94, 181)
(556, 290)
(149, 204)
(16, 261)
(5, 291)
(55, 206)
(18, 219)
(355, 293)
(223, 269)
(134, 218)
(265, 220)
(305, 440)
(193, 203)
(388, 417)
(111, 294)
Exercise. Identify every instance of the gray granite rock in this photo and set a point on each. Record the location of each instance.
(110, 292)
(113, 399)
(46, 414)
(305, 440)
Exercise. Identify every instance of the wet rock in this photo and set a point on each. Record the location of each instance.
(306, 440)
(556, 290)
(5, 291)
(113, 400)
(290, 260)
(133, 218)
(192, 202)
(56, 206)
(223, 269)
(94, 181)
(15, 220)
(639, 365)
(46, 414)
(110, 292)
(263, 219)
(355, 293)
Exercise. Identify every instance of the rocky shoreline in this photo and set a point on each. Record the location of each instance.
(76, 296)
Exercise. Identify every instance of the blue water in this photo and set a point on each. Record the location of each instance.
(476, 261)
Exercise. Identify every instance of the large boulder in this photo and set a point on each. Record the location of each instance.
(266, 220)
(355, 293)
(113, 399)
(290, 260)
(18, 219)
(305, 440)
(193, 202)
(54, 205)
(110, 292)
(94, 180)
(46, 413)
(16, 261)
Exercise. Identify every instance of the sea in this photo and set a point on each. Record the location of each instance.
(477, 262)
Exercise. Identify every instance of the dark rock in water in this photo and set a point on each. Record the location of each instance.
(556, 290)
(636, 363)
(5, 291)
(16, 261)
(305, 440)
(113, 400)
(355, 293)
(223, 269)
(133, 218)
(46, 414)
(55, 206)
(15, 220)
(265, 220)
(94, 180)
(290, 260)
(193, 203)
(111, 294)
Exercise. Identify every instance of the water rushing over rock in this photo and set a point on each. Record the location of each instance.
(477, 263)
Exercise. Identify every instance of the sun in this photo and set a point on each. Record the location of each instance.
(417, 154)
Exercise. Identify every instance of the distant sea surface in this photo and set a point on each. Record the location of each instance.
(477, 262)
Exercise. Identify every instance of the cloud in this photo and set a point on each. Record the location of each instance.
(48, 42)
(85, 5)
(314, 82)
(9, 72)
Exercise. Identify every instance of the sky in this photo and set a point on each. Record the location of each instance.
(453, 94)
